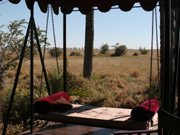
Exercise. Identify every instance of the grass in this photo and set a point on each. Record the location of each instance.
(125, 72)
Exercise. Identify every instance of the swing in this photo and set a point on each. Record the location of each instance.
(104, 116)
(83, 7)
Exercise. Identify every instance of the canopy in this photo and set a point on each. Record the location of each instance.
(84, 6)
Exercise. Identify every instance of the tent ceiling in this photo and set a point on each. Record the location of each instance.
(84, 6)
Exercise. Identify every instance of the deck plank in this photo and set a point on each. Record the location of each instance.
(70, 129)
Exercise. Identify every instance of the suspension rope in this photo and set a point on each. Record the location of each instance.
(44, 50)
(57, 64)
(157, 45)
(151, 58)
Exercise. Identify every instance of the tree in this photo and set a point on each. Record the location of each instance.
(89, 41)
(55, 52)
(119, 50)
(143, 50)
(104, 48)
(1, 66)
(12, 42)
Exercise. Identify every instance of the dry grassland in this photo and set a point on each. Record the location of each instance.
(125, 72)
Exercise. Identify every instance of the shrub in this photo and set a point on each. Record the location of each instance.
(155, 88)
(20, 110)
(135, 74)
(104, 49)
(135, 54)
(75, 85)
(119, 50)
(143, 50)
(19, 119)
(55, 52)
(75, 54)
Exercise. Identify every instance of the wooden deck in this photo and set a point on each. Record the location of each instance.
(70, 129)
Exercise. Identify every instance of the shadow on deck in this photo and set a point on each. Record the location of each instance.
(70, 129)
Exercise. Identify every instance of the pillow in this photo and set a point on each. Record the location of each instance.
(56, 102)
(145, 111)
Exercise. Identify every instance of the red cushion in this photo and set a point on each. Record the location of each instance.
(143, 112)
(44, 105)
(54, 97)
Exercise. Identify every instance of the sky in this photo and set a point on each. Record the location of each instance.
(132, 28)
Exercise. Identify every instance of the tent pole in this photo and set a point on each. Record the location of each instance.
(176, 85)
(166, 62)
(178, 61)
(32, 67)
(64, 52)
(167, 52)
(16, 78)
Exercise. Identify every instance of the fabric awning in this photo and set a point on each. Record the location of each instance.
(84, 6)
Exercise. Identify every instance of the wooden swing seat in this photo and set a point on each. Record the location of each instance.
(118, 118)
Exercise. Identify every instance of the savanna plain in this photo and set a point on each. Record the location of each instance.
(127, 74)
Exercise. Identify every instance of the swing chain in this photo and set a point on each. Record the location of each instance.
(54, 35)
(45, 44)
(157, 45)
(151, 57)
(44, 50)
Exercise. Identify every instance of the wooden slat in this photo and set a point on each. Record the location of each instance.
(169, 122)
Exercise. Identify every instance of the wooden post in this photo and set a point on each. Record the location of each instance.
(162, 53)
(174, 49)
